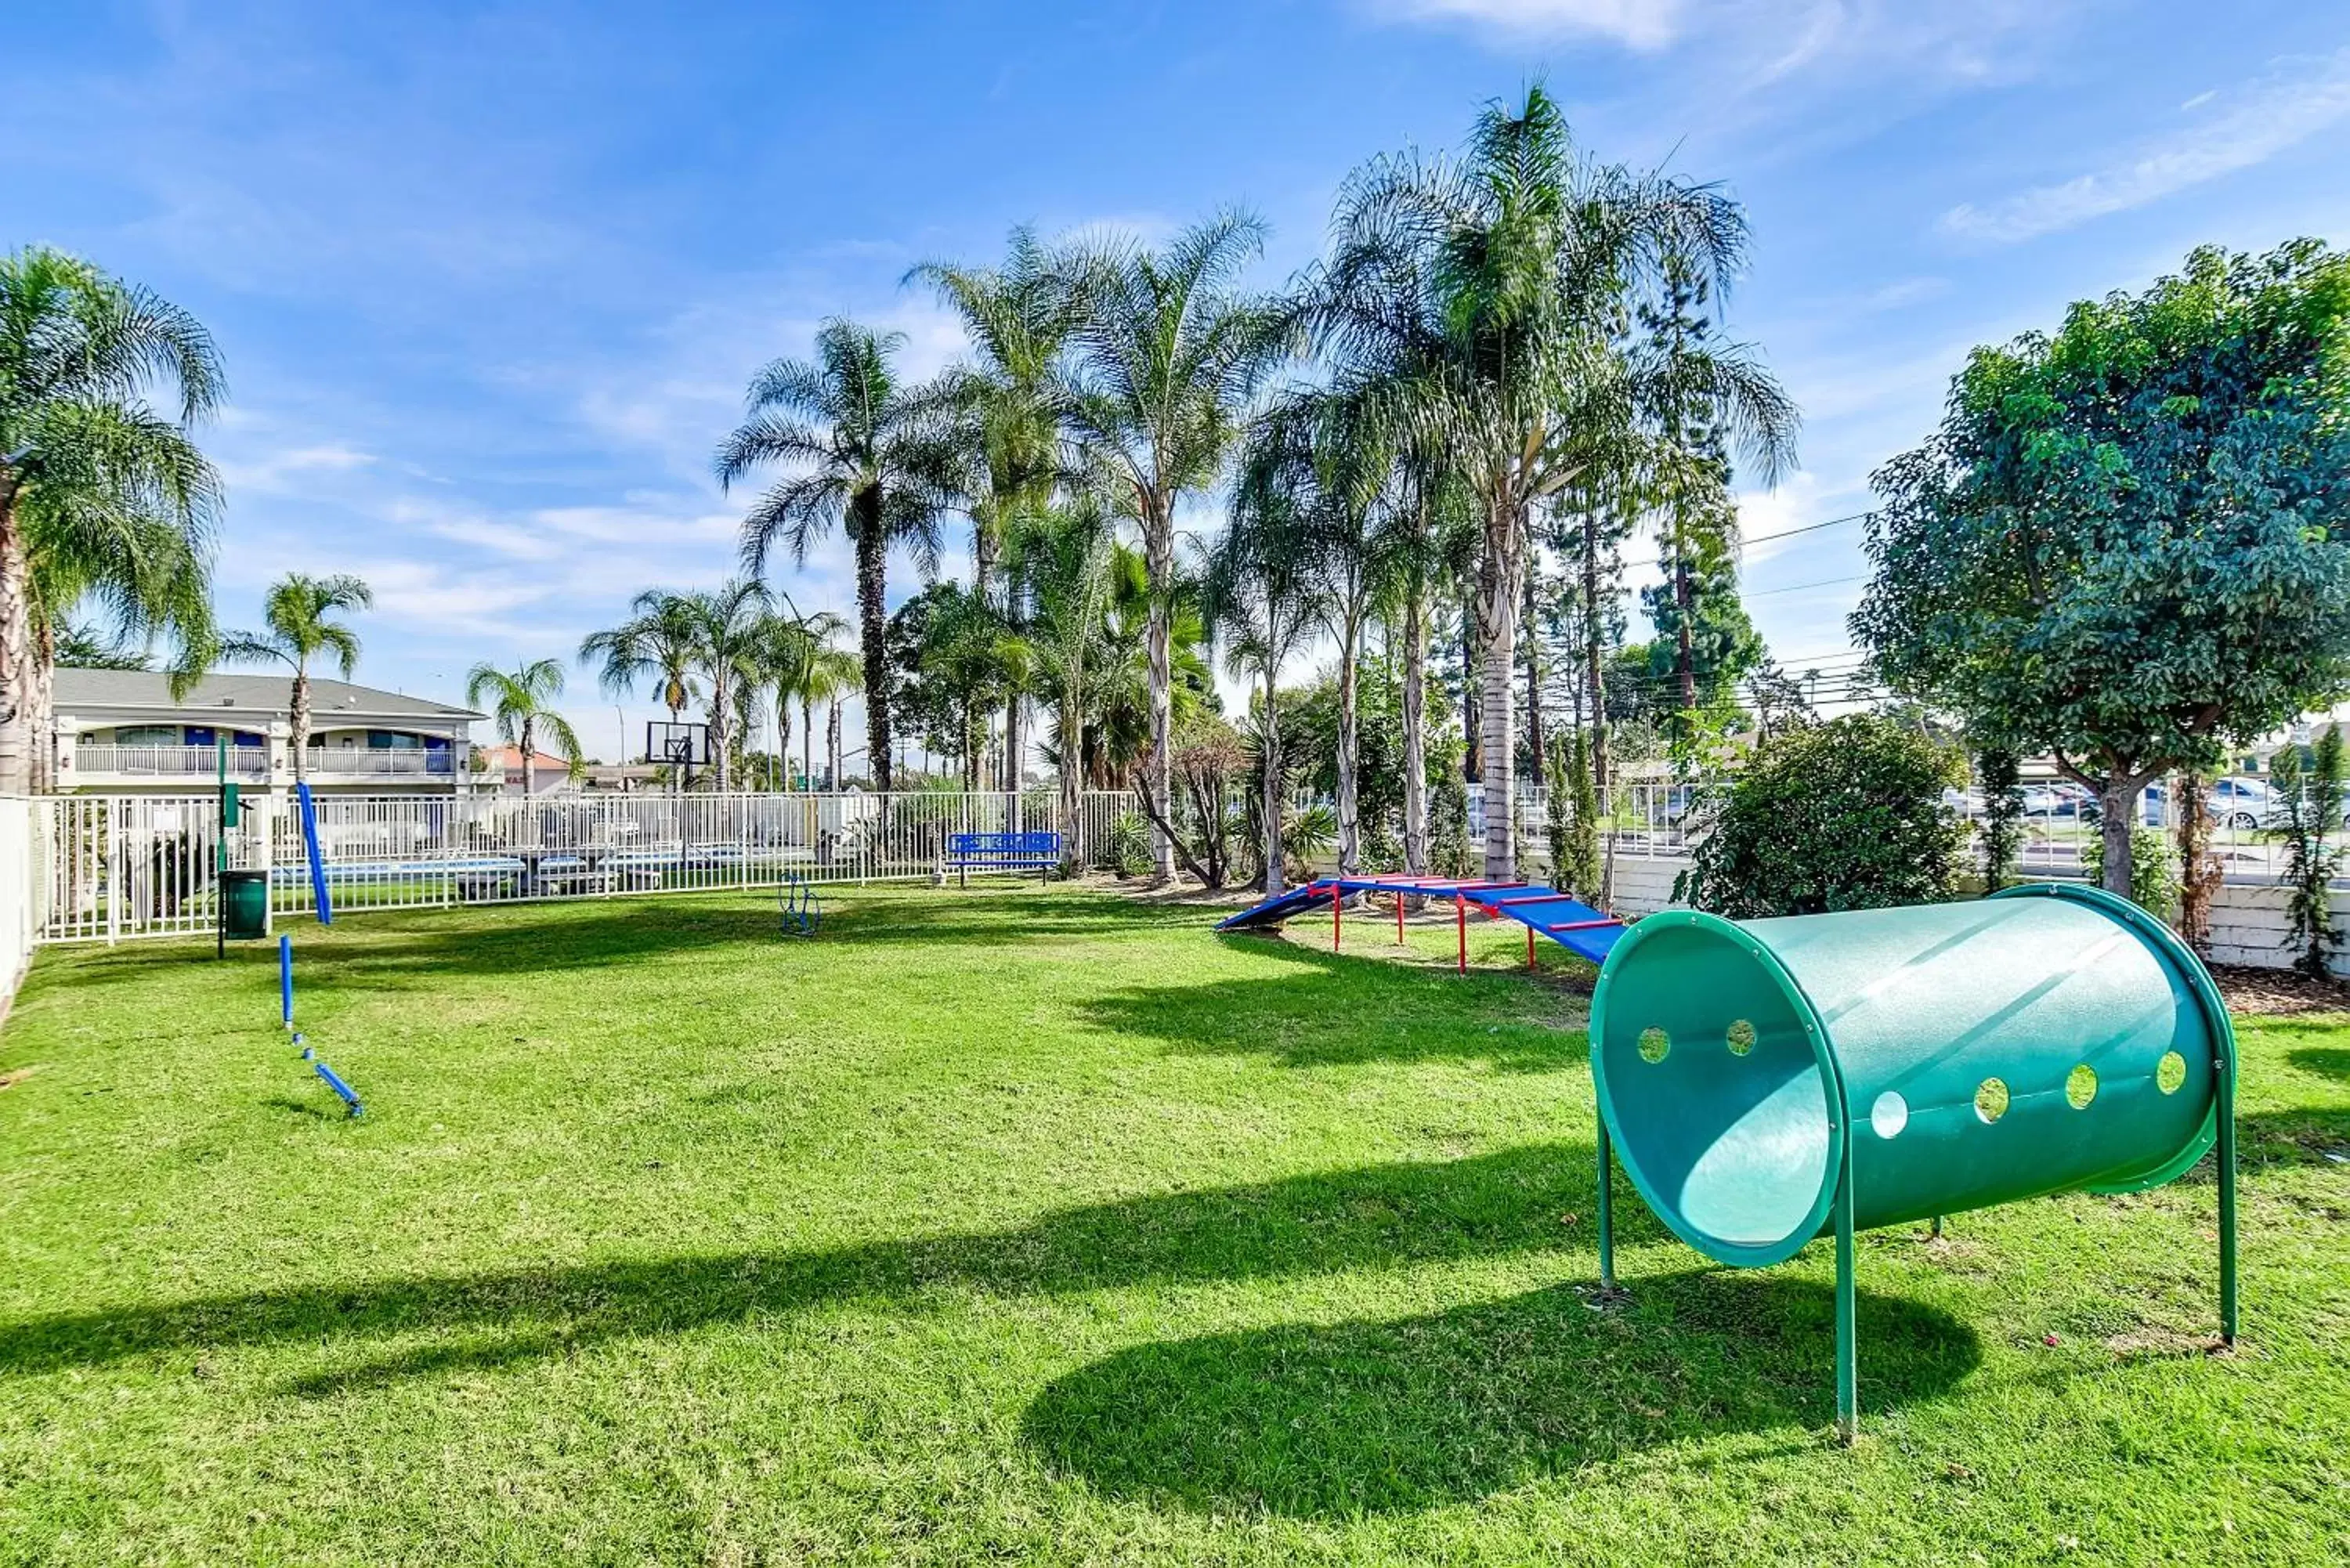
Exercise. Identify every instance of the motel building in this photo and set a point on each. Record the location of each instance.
(121, 731)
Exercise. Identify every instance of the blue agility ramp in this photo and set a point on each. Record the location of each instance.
(1586, 932)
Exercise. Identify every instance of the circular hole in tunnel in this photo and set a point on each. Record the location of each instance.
(2170, 1072)
(2081, 1086)
(1890, 1115)
(1654, 1044)
(1741, 1037)
(1991, 1099)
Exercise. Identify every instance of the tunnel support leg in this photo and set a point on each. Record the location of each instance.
(2227, 1109)
(1847, 1313)
(1607, 1212)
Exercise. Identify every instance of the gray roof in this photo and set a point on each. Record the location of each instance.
(79, 691)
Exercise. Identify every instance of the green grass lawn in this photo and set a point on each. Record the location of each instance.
(1045, 1227)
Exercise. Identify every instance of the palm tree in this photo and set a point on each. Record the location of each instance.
(146, 575)
(1519, 259)
(297, 618)
(786, 649)
(90, 477)
(836, 675)
(1324, 457)
(866, 454)
(726, 622)
(1263, 591)
(1018, 318)
(1066, 557)
(659, 642)
(1166, 353)
(522, 706)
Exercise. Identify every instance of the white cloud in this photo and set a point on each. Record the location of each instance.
(2244, 127)
(1635, 24)
(282, 472)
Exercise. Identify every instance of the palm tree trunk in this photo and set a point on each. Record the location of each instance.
(1500, 574)
(16, 651)
(1415, 739)
(719, 734)
(1470, 731)
(1159, 561)
(783, 741)
(872, 615)
(832, 745)
(40, 686)
(1073, 780)
(1350, 826)
(1275, 877)
(529, 760)
(1594, 630)
(1534, 737)
(1015, 744)
(808, 742)
(301, 706)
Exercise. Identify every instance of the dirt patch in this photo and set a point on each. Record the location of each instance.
(2271, 991)
(10, 1080)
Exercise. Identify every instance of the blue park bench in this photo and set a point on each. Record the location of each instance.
(969, 852)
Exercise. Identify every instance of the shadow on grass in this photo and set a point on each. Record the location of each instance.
(2326, 1061)
(2305, 1135)
(392, 949)
(1342, 1011)
(1508, 1202)
(1380, 1417)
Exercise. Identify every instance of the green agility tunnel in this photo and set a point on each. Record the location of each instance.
(1766, 1081)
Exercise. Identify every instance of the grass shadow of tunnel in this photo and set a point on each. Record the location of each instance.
(1366, 1417)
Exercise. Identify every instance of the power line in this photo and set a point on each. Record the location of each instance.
(1806, 528)
(1799, 588)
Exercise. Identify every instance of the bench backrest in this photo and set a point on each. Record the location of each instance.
(960, 845)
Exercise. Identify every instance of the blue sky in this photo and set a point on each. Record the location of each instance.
(490, 279)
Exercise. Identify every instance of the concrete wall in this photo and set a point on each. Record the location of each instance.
(2248, 918)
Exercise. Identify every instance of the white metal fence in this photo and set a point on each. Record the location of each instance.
(111, 867)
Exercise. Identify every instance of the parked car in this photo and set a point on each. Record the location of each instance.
(2062, 800)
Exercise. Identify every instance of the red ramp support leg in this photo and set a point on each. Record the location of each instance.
(1338, 907)
(1460, 924)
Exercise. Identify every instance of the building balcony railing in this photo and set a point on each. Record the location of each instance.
(170, 762)
(195, 765)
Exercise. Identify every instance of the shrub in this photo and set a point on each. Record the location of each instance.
(2153, 879)
(1128, 850)
(1846, 815)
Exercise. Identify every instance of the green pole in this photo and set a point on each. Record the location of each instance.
(2226, 1112)
(1847, 1305)
(1606, 1208)
(220, 859)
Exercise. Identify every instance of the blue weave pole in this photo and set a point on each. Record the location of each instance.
(336, 1083)
(325, 904)
(285, 981)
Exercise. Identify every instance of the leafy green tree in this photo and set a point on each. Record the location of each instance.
(522, 707)
(1843, 815)
(1574, 802)
(1166, 352)
(2310, 794)
(965, 662)
(863, 452)
(300, 625)
(786, 650)
(102, 497)
(1705, 643)
(2001, 835)
(2125, 545)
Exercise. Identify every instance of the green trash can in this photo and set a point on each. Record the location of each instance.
(1766, 1081)
(244, 905)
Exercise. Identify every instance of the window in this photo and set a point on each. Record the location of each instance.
(394, 740)
(148, 735)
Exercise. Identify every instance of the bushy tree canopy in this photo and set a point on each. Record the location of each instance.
(1842, 815)
(2125, 545)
